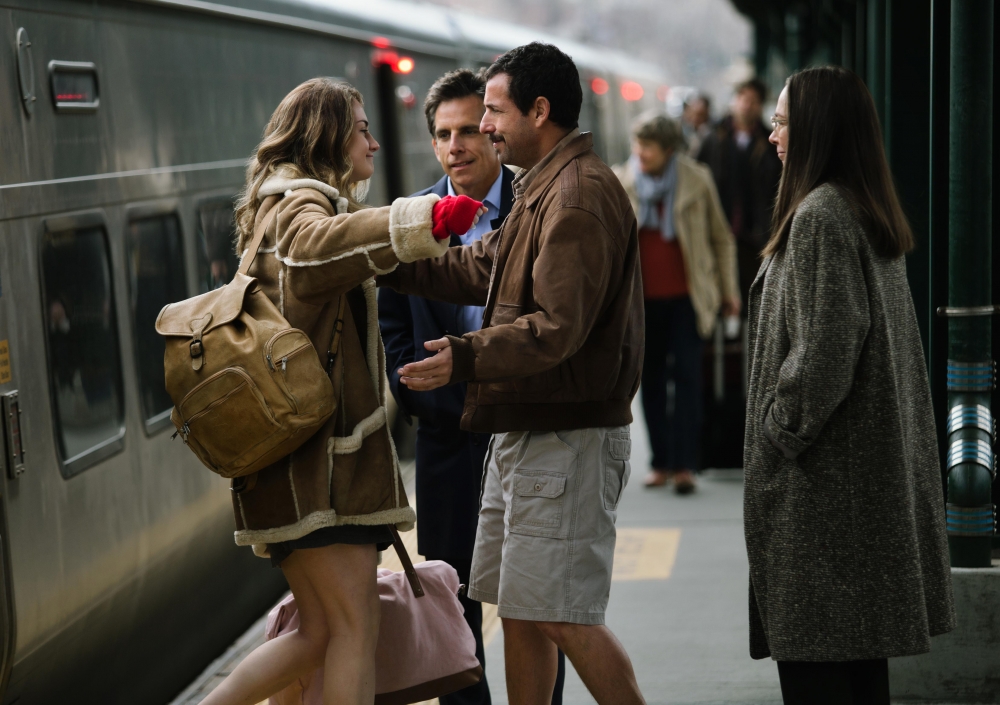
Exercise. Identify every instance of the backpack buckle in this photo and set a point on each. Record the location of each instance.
(196, 348)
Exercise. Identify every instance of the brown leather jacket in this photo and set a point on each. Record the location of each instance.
(562, 341)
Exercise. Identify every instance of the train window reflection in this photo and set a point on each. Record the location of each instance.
(84, 364)
(156, 278)
(217, 260)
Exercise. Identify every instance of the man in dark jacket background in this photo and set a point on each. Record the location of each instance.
(450, 460)
(746, 171)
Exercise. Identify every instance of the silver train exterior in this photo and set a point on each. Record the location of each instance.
(126, 127)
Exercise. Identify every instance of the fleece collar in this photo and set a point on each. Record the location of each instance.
(285, 179)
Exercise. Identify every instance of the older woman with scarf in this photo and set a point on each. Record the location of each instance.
(688, 259)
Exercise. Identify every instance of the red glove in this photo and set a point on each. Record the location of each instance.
(454, 214)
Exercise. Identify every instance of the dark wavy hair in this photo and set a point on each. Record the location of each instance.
(542, 70)
(452, 86)
(834, 137)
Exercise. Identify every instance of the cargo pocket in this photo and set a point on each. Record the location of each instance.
(616, 469)
(537, 504)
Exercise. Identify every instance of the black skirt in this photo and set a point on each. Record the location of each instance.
(354, 534)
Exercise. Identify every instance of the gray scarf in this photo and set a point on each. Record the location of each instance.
(651, 190)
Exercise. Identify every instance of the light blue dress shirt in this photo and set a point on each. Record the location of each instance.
(471, 317)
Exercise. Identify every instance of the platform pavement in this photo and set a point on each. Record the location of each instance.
(678, 600)
(685, 633)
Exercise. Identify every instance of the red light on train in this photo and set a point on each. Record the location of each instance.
(398, 64)
(632, 91)
(599, 86)
(662, 92)
(381, 43)
(385, 58)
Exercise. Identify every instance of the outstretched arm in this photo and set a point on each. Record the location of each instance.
(571, 276)
(461, 276)
(327, 254)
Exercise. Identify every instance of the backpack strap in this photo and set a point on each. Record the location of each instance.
(255, 244)
(404, 558)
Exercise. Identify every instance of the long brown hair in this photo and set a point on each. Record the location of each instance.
(834, 137)
(308, 133)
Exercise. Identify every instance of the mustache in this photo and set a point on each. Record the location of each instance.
(494, 138)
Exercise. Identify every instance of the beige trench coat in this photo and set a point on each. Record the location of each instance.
(704, 237)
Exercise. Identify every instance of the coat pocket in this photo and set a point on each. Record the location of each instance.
(616, 469)
(537, 504)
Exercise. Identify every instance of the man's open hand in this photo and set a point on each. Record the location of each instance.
(431, 373)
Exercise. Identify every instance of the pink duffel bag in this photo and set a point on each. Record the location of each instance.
(425, 647)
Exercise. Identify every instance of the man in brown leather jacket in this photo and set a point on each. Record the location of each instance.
(551, 375)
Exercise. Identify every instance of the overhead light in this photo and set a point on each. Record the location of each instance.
(404, 65)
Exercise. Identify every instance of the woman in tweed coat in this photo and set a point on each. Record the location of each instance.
(843, 512)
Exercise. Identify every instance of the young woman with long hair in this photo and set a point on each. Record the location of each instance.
(322, 512)
(844, 516)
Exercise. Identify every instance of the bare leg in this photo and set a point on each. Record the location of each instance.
(530, 663)
(336, 595)
(351, 605)
(599, 659)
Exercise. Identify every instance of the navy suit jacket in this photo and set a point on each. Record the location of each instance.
(449, 460)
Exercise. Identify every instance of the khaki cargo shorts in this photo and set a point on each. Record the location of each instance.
(546, 539)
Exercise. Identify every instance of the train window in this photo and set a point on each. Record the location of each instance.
(84, 364)
(217, 260)
(156, 278)
(74, 86)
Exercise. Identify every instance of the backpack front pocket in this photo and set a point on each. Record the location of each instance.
(295, 366)
(226, 417)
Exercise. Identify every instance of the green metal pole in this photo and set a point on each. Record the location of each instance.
(875, 74)
(971, 370)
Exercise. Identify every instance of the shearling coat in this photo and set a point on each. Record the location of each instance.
(313, 254)
(703, 234)
(844, 515)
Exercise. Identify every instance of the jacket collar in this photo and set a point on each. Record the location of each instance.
(287, 178)
(570, 151)
(506, 197)
(440, 188)
(686, 180)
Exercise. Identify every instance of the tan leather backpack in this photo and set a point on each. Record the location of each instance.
(248, 389)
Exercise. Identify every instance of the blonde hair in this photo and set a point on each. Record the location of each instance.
(309, 132)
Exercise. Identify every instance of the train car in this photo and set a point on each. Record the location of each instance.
(126, 130)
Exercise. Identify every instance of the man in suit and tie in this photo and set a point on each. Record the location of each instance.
(450, 460)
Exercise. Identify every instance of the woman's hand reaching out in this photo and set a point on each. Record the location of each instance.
(455, 214)
(432, 372)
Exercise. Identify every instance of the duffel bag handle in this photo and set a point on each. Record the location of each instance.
(404, 558)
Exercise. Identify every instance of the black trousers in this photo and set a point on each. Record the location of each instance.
(479, 694)
(834, 683)
(672, 331)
